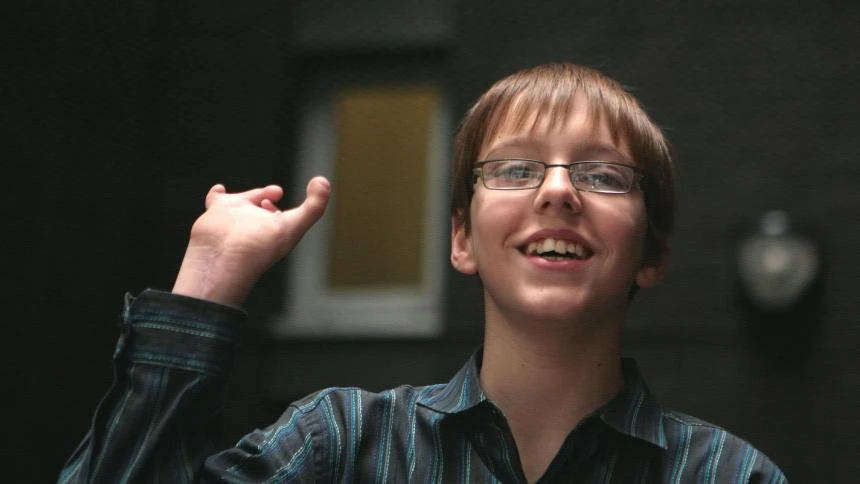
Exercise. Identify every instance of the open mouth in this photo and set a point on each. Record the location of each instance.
(556, 249)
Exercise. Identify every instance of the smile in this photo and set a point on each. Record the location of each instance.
(557, 249)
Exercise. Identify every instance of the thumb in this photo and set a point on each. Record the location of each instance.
(316, 200)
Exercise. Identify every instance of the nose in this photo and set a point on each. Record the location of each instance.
(558, 191)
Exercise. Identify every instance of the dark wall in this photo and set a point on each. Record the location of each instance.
(761, 103)
(117, 119)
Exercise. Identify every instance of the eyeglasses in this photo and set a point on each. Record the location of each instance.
(590, 176)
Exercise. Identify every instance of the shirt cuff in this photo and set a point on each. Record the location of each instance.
(169, 330)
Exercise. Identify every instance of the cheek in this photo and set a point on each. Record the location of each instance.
(483, 229)
(628, 223)
(636, 227)
(633, 220)
(492, 220)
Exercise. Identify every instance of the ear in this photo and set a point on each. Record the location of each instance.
(652, 272)
(462, 256)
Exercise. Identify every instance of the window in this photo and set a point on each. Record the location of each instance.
(373, 266)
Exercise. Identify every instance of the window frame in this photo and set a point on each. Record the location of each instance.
(313, 310)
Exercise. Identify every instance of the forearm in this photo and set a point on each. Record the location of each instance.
(163, 411)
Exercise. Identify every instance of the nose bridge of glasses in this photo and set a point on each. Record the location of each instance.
(557, 188)
(565, 173)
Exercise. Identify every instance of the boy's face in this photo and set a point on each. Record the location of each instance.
(606, 230)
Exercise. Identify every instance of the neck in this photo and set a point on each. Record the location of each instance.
(546, 376)
(575, 372)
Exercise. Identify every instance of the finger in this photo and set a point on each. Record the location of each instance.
(257, 195)
(272, 193)
(254, 195)
(269, 205)
(214, 192)
(318, 193)
(312, 208)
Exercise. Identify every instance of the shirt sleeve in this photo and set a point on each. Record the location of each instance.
(767, 472)
(290, 450)
(159, 419)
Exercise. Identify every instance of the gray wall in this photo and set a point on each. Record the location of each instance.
(122, 116)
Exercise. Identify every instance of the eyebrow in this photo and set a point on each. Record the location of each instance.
(584, 149)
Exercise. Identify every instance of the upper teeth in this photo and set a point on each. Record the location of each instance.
(554, 245)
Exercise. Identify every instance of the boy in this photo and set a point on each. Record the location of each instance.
(563, 201)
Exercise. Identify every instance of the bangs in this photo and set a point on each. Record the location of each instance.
(523, 103)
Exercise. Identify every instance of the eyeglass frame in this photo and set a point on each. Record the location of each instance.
(477, 172)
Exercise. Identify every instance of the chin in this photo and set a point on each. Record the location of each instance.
(566, 306)
(556, 309)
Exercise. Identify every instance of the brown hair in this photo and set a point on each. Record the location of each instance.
(549, 91)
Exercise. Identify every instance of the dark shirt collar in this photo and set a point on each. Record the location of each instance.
(462, 393)
(634, 411)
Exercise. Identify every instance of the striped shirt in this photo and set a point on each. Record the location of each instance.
(158, 420)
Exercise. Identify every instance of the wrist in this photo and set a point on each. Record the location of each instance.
(210, 279)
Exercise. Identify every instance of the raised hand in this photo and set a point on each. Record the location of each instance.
(241, 235)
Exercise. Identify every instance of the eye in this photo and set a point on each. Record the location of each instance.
(512, 173)
(515, 170)
(603, 177)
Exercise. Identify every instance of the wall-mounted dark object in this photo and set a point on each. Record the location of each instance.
(779, 270)
(776, 265)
